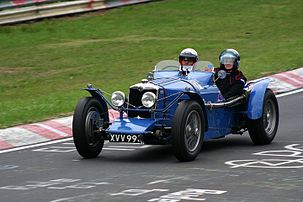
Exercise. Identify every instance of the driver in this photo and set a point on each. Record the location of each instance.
(228, 78)
(187, 58)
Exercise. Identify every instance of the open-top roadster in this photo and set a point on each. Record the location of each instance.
(178, 107)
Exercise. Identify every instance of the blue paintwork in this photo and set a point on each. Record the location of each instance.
(133, 125)
(255, 102)
(204, 78)
(198, 86)
(220, 121)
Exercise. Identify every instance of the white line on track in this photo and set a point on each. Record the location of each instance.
(35, 145)
(68, 143)
(118, 149)
(290, 93)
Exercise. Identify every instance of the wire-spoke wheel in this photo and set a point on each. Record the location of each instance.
(188, 130)
(263, 130)
(192, 131)
(269, 116)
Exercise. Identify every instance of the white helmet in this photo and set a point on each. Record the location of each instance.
(188, 54)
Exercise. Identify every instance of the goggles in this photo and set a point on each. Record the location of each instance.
(189, 59)
(227, 59)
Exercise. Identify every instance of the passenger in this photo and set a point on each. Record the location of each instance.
(228, 78)
(187, 58)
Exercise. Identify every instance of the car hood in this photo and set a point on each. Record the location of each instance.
(204, 78)
(195, 81)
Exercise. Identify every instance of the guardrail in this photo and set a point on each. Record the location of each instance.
(8, 4)
(27, 10)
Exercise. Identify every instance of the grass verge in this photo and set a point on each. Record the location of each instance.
(44, 65)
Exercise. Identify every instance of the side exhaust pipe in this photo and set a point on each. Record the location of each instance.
(230, 103)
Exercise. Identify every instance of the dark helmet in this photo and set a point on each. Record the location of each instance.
(228, 56)
(188, 54)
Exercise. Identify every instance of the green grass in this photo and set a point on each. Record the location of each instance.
(44, 65)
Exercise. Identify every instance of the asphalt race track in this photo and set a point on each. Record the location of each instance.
(230, 169)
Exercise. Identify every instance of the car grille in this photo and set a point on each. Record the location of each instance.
(134, 99)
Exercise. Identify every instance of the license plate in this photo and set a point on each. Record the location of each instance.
(132, 138)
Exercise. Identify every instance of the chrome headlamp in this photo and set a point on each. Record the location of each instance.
(148, 99)
(118, 98)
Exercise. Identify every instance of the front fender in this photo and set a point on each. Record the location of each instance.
(96, 93)
(195, 96)
(255, 99)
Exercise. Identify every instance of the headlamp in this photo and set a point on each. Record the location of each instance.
(148, 99)
(118, 98)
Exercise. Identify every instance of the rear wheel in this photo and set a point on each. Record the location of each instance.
(188, 130)
(89, 117)
(263, 130)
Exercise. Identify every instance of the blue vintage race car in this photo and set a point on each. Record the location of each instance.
(178, 107)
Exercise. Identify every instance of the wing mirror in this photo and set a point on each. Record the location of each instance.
(221, 74)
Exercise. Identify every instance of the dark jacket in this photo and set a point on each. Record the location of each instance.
(232, 85)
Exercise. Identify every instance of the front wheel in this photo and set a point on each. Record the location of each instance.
(188, 130)
(263, 130)
(89, 117)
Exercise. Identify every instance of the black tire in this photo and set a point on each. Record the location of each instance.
(187, 143)
(263, 130)
(88, 117)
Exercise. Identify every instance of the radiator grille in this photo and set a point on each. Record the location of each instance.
(135, 100)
